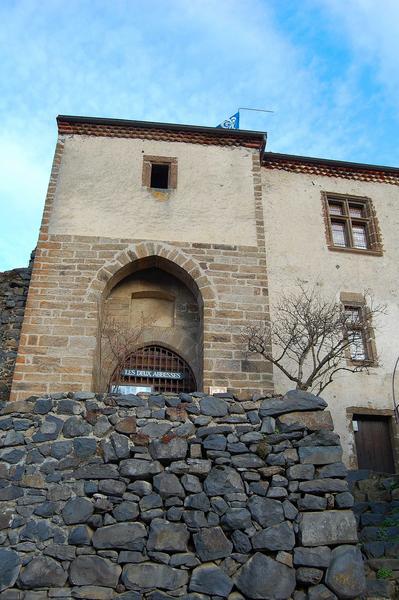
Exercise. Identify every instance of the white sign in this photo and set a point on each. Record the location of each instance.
(154, 374)
(217, 390)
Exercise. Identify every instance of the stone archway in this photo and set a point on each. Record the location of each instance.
(166, 298)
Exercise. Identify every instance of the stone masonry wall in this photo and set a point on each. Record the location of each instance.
(13, 291)
(377, 512)
(70, 273)
(160, 497)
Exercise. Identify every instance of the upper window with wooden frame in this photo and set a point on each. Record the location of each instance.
(359, 332)
(160, 173)
(351, 224)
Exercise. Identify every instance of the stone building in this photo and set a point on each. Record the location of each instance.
(184, 234)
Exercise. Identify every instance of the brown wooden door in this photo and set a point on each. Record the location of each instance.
(373, 444)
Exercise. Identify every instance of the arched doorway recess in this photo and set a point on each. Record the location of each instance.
(162, 303)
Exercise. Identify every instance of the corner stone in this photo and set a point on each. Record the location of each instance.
(93, 570)
(345, 575)
(262, 577)
(210, 579)
(10, 564)
(328, 527)
(148, 575)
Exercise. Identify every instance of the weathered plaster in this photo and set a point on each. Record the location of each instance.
(296, 249)
(100, 193)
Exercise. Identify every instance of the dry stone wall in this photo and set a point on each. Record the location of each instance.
(159, 497)
(377, 512)
(13, 292)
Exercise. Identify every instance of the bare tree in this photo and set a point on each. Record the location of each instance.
(116, 340)
(312, 338)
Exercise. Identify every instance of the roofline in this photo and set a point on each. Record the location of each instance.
(169, 126)
(329, 162)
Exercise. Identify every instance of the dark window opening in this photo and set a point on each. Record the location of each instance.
(160, 176)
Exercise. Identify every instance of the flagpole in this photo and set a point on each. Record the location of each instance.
(256, 109)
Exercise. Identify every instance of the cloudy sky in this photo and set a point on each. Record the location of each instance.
(328, 68)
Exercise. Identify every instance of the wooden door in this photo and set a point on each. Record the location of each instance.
(373, 443)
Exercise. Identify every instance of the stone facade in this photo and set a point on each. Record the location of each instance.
(235, 227)
(13, 292)
(377, 512)
(161, 496)
(73, 274)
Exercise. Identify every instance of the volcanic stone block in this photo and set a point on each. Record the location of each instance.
(309, 575)
(304, 472)
(223, 480)
(137, 468)
(211, 543)
(319, 438)
(167, 537)
(97, 472)
(198, 502)
(76, 426)
(84, 447)
(314, 421)
(345, 575)
(236, 518)
(94, 570)
(333, 470)
(42, 572)
(210, 579)
(328, 527)
(312, 557)
(213, 407)
(174, 449)
(247, 461)
(167, 484)
(150, 575)
(128, 536)
(263, 577)
(295, 400)
(311, 502)
(323, 486)
(126, 511)
(266, 511)
(77, 510)
(10, 564)
(320, 455)
(277, 537)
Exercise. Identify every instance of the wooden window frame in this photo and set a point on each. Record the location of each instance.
(369, 221)
(357, 301)
(149, 160)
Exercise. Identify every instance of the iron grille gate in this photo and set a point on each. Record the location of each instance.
(158, 367)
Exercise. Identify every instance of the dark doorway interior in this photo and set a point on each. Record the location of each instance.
(373, 443)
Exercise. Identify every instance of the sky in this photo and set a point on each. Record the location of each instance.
(327, 68)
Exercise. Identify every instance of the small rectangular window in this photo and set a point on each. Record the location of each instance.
(356, 331)
(160, 176)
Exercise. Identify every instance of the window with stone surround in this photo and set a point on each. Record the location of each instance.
(359, 330)
(351, 224)
(159, 172)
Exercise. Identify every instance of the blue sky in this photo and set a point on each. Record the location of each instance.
(328, 68)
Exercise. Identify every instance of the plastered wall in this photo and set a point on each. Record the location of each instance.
(100, 192)
(296, 248)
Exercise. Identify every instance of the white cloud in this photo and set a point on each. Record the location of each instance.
(178, 61)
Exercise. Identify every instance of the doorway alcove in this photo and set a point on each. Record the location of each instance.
(160, 306)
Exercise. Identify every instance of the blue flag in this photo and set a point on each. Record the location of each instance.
(232, 123)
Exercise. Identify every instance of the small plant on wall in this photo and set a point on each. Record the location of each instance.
(312, 338)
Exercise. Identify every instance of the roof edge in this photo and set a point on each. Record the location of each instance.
(327, 162)
(74, 119)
